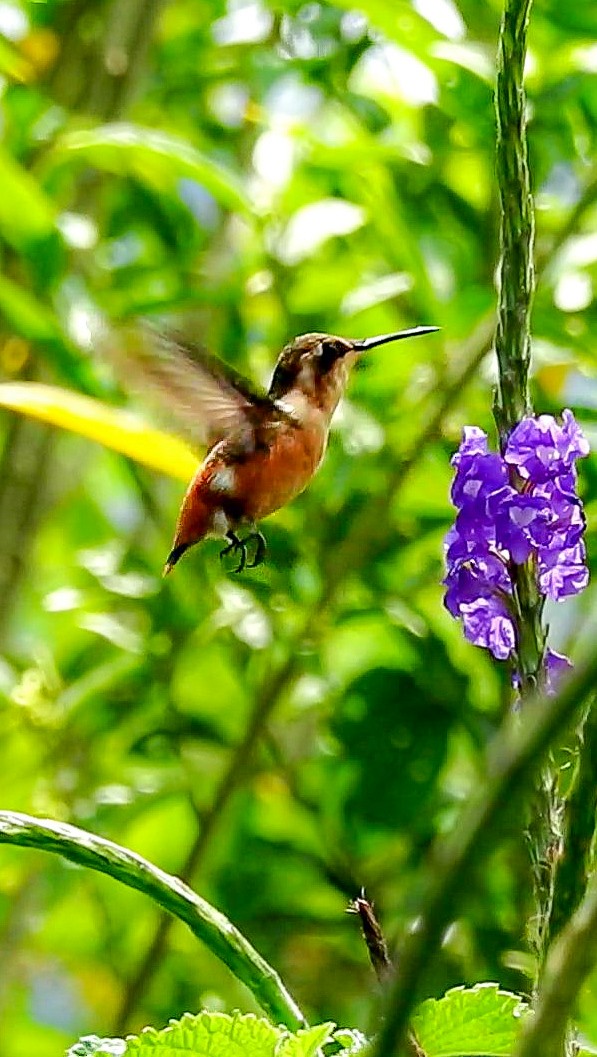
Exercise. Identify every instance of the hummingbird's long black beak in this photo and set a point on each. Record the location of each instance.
(383, 339)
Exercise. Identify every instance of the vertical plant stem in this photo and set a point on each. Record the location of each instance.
(512, 760)
(515, 296)
(516, 276)
(513, 350)
(574, 867)
(569, 963)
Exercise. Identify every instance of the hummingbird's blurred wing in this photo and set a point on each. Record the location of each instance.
(207, 399)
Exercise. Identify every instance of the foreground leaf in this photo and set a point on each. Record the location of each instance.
(479, 1022)
(113, 427)
(212, 1035)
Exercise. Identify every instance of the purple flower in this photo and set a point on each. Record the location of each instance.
(487, 622)
(567, 522)
(562, 572)
(556, 666)
(540, 449)
(477, 476)
(511, 509)
(519, 520)
(476, 576)
(474, 442)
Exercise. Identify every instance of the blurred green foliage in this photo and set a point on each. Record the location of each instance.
(252, 171)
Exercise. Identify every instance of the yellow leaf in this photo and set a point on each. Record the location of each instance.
(110, 426)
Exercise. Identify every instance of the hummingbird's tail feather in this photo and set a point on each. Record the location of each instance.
(199, 515)
(175, 555)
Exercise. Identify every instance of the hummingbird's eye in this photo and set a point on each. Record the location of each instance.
(330, 351)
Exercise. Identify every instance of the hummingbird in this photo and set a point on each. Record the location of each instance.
(263, 447)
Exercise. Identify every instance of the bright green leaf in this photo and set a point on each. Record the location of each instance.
(352, 1041)
(305, 1043)
(212, 1035)
(154, 158)
(114, 428)
(479, 1022)
(26, 214)
(12, 64)
(25, 313)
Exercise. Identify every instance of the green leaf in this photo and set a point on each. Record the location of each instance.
(114, 428)
(156, 159)
(13, 65)
(306, 1042)
(479, 1022)
(352, 1041)
(31, 318)
(212, 1035)
(208, 1035)
(26, 214)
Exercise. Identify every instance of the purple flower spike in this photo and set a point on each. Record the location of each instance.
(516, 508)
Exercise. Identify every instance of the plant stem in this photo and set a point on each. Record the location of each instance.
(204, 921)
(574, 866)
(515, 295)
(569, 962)
(513, 350)
(516, 278)
(513, 757)
(516, 287)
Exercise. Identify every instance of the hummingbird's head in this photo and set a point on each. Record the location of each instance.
(317, 365)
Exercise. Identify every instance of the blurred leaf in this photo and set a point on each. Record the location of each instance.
(395, 738)
(480, 1022)
(156, 159)
(26, 214)
(352, 1041)
(26, 313)
(13, 65)
(116, 429)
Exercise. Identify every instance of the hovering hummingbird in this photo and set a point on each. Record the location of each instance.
(264, 448)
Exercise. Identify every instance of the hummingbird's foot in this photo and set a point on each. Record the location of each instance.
(260, 548)
(239, 545)
(235, 545)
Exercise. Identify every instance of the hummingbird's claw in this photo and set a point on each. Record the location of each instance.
(239, 545)
(260, 548)
(235, 545)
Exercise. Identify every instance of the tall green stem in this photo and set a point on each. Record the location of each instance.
(513, 350)
(516, 273)
(515, 293)
(513, 758)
